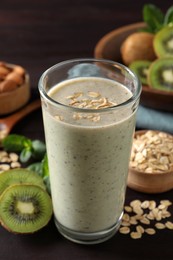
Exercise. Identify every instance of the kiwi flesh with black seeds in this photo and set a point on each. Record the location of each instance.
(140, 68)
(25, 208)
(160, 75)
(163, 42)
(18, 176)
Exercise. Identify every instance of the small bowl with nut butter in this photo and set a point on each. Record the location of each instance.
(151, 162)
(14, 87)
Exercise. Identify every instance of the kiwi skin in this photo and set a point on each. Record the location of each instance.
(25, 200)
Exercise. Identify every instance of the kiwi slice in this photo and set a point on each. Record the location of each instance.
(141, 67)
(17, 176)
(160, 74)
(163, 42)
(25, 208)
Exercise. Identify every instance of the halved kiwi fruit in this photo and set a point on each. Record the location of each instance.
(163, 42)
(25, 208)
(18, 176)
(141, 67)
(160, 74)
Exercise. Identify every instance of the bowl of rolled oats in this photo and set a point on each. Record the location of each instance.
(151, 162)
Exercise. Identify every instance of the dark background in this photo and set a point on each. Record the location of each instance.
(37, 34)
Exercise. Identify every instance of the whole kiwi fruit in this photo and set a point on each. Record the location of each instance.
(25, 208)
(138, 46)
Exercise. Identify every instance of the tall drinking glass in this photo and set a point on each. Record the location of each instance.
(89, 109)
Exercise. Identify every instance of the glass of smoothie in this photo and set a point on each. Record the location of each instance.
(89, 109)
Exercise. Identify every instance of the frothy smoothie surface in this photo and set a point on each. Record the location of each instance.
(88, 155)
(94, 93)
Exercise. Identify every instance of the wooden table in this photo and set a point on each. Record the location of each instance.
(38, 34)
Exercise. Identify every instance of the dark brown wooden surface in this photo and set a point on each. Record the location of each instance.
(37, 34)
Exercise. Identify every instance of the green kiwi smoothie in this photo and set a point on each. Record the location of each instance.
(89, 144)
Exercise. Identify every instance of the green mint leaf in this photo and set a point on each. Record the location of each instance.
(36, 167)
(25, 155)
(15, 143)
(153, 17)
(39, 149)
(147, 29)
(169, 16)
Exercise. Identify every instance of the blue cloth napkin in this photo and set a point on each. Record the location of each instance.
(148, 118)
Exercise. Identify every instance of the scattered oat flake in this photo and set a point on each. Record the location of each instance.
(93, 94)
(145, 204)
(152, 204)
(160, 225)
(135, 235)
(159, 216)
(124, 230)
(138, 210)
(59, 117)
(145, 221)
(162, 206)
(140, 229)
(150, 215)
(4, 167)
(155, 212)
(15, 165)
(165, 214)
(128, 209)
(135, 203)
(166, 202)
(169, 225)
(150, 231)
(14, 157)
(133, 221)
(125, 223)
(70, 97)
(126, 217)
